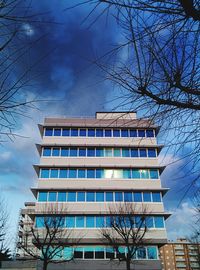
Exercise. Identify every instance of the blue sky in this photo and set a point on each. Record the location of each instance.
(71, 85)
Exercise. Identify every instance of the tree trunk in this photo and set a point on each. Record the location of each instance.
(45, 264)
(128, 265)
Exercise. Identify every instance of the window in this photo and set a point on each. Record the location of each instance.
(44, 173)
(46, 152)
(149, 222)
(144, 174)
(141, 253)
(151, 152)
(73, 152)
(72, 173)
(91, 152)
(135, 174)
(118, 196)
(147, 196)
(67, 253)
(108, 133)
(109, 196)
(99, 173)
(54, 173)
(141, 133)
(99, 253)
(150, 133)
(137, 197)
(90, 173)
(42, 197)
(78, 253)
(64, 152)
(116, 133)
(133, 133)
(117, 152)
(80, 196)
(79, 222)
(125, 152)
(126, 174)
(74, 132)
(108, 152)
(71, 196)
(156, 197)
(89, 222)
(110, 254)
(81, 173)
(159, 222)
(65, 132)
(89, 252)
(57, 132)
(91, 132)
(70, 222)
(134, 152)
(128, 196)
(90, 197)
(99, 152)
(39, 222)
(62, 197)
(99, 132)
(99, 196)
(152, 253)
(124, 133)
(99, 222)
(48, 132)
(56, 152)
(143, 152)
(154, 174)
(52, 196)
(82, 132)
(82, 152)
(63, 173)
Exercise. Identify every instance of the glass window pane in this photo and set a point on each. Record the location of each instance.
(91, 152)
(78, 253)
(110, 254)
(90, 196)
(82, 152)
(139, 222)
(99, 196)
(134, 152)
(152, 253)
(99, 152)
(74, 132)
(89, 253)
(150, 133)
(89, 222)
(79, 222)
(46, 152)
(136, 174)
(156, 197)
(133, 133)
(90, 173)
(108, 221)
(154, 174)
(56, 152)
(70, 222)
(44, 173)
(52, 196)
(99, 222)
(117, 174)
(48, 131)
(72, 173)
(118, 196)
(127, 174)
(42, 196)
(68, 253)
(81, 173)
(124, 133)
(39, 222)
(91, 132)
(116, 133)
(99, 132)
(71, 196)
(99, 253)
(125, 152)
(159, 222)
(82, 132)
(54, 173)
(80, 196)
(144, 174)
(73, 152)
(62, 197)
(108, 152)
(65, 132)
(147, 196)
(141, 133)
(108, 133)
(149, 222)
(117, 152)
(137, 197)
(151, 152)
(57, 132)
(141, 253)
(109, 196)
(63, 173)
(143, 152)
(64, 152)
(99, 173)
(128, 196)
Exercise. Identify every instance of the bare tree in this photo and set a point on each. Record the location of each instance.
(126, 232)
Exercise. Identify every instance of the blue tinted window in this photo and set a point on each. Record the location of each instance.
(74, 132)
(52, 197)
(141, 253)
(80, 196)
(151, 152)
(125, 152)
(152, 253)
(149, 222)
(56, 152)
(42, 197)
(147, 197)
(156, 197)
(137, 197)
(143, 152)
(126, 173)
(39, 222)
(124, 133)
(108, 132)
(144, 174)
(154, 174)
(99, 132)
(108, 221)
(71, 196)
(116, 133)
(81, 173)
(117, 152)
(63, 173)
(99, 222)
(70, 222)
(134, 152)
(90, 197)
(99, 196)
(89, 222)
(99, 173)
(139, 222)
(49, 132)
(159, 222)
(128, 197)
(109, 196)
(65, 132)
(91, 132)
(79, 222)
(54, 173)
(73, 152)
(61, 196)
(141, 133)
(108, 152)
(64, 152)
(44, 173)
(135, 173)
(57, 132)
(133, 133)
(118, 196)
(90, 173)
(150, 133)
(72, 173)
(46, 152)
(91, 152)
(82, 152)
(99, 152)
(82, 132)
